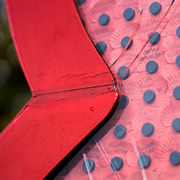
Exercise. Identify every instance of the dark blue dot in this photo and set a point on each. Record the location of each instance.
(174, 158)
(178, 61)
(155, 38)
(125, 41)
(81, 2)
(116, 163)
(121, 70)
(103, 19)
(90, 164)
(149, 96)
(147, 129)
(176, 93)
(123, 102)
(178, 31)
(144, 161)
(155, 8)
(176, 124)
(151, 67)
(101, 47)
(120, 131)
(129, 14)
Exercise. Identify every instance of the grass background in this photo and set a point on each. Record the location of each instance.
(14, 91)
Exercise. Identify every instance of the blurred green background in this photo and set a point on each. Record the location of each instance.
(14, 91)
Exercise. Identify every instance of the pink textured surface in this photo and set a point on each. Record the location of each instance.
(161, 113)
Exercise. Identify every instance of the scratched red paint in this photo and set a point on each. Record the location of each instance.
(72, 88)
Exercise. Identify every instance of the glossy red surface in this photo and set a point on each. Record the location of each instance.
(72, 88)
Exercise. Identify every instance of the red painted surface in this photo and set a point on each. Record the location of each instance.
(71, 86)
